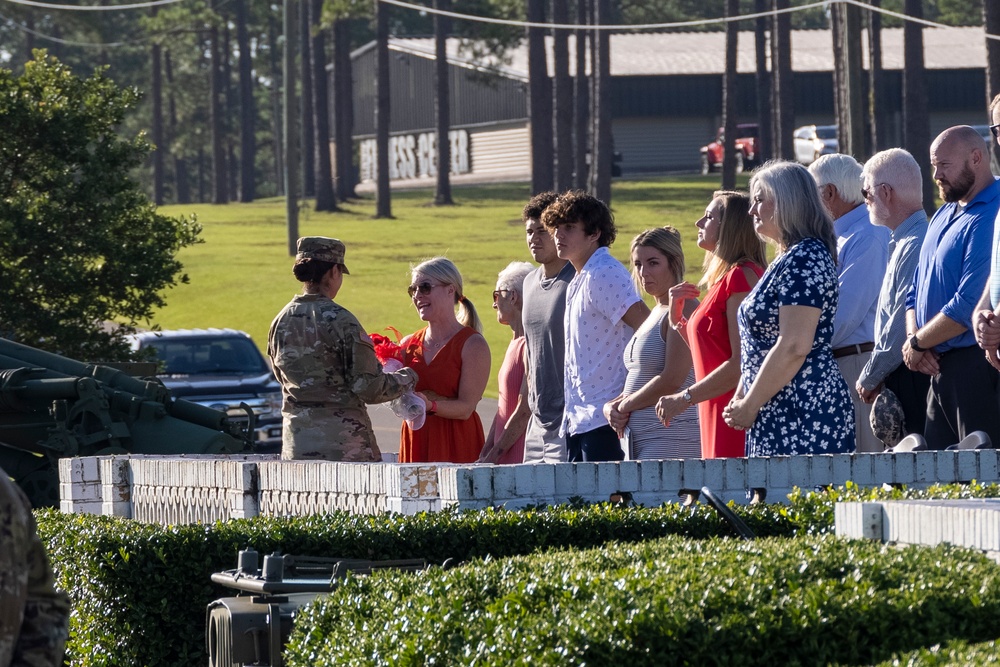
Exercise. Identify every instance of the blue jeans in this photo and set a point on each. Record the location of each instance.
(600, 444)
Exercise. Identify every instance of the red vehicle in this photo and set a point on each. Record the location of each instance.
(746, 150)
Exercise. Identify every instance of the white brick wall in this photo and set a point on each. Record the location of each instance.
(974, 524)
(209, 488)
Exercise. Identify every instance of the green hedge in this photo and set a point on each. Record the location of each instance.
(954, 654)
(672, 601)
(139, 591)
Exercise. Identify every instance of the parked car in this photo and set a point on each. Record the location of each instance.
(219, 368)
(746, 149)
(812, 141)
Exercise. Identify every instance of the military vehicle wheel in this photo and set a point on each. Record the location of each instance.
(41, 487)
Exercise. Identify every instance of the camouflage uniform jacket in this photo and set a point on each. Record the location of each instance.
(34, 617)
(328, 370)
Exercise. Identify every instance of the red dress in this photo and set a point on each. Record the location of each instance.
(708, 334)
(440, 438)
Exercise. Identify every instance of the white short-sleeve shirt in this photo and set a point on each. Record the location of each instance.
(596, 299)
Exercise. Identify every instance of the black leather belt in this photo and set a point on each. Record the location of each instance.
(848, 350)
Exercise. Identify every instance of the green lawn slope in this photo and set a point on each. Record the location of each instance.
(240, 277)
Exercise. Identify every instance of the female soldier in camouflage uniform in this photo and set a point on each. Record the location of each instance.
(326, 364)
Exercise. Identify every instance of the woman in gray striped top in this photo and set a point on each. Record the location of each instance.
(657, 360)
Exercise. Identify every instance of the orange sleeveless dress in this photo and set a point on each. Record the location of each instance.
(440, 439)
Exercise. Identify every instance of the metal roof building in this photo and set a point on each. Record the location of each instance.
(666, 94)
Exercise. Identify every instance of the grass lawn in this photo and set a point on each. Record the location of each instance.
(240, 277)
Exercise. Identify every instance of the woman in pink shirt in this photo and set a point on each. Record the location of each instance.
(505, 440)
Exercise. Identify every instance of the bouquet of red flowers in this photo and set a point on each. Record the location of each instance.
(409, 406)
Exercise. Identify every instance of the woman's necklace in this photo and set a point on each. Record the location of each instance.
(432, 345)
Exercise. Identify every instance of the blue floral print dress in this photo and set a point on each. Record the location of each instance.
(813, 413)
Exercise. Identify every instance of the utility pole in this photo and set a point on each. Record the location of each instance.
(290, 20)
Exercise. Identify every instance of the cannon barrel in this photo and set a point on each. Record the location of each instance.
(52, 407)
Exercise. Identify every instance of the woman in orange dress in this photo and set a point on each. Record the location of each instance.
(452, 360)
(734, 262)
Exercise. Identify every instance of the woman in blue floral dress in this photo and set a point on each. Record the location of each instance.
(792, 398)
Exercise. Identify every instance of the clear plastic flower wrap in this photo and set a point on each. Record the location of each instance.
(409, 407)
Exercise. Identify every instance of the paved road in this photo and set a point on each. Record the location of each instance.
(386, 424)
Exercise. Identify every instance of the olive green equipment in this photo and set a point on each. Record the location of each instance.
(52, 407)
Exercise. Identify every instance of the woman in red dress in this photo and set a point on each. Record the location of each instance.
(734, 262)
(452, 361)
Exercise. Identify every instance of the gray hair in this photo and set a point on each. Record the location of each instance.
(512, 277)
(445, 272)
(798, 212)
(900, 171)
(842, 172)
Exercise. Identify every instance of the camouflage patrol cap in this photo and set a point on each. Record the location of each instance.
(322, 248)
(886, 418)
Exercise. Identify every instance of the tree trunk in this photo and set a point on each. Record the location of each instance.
(851, 131)
(308, 129)
(539, 103)
(277, 122)
(442, 104)
(991, 21)
(916, 121)
(876, 117)
(383, 197)
(837, 40)
(182, 186)
(581, 100)
(248, 144)
(232, 164)
(220, 194)
(783, 93)
(290, 24)
(763, 80)
(325, 200)
(343, 109)
(603, 144)
(201, 175)
(156, 94)
(562, 98)
(729, 98)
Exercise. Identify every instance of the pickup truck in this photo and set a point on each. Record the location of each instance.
(220, 369)
(746, 149)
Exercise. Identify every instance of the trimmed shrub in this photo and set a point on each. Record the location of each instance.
(672, 601)
(954, 654)
(139, 591)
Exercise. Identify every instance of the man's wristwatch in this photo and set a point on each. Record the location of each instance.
(687, 397)
(915, 344)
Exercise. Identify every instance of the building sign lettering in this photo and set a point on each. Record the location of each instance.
(415, 155)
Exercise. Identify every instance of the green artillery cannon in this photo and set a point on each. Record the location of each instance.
(52, 407)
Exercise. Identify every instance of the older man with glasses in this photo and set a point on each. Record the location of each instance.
(862, 255)
(893, 190)
(954, 266)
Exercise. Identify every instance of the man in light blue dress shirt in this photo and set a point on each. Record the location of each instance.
(952, 271)
(893, 189)
(987, 318)
(862, 255)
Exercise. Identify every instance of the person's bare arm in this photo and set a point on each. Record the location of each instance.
(796, 334)
(472, 384)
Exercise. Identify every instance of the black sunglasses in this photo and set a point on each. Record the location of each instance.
(499, 293)
(995, 130)
(423, 288)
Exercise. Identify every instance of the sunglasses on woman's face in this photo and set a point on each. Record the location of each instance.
(423, 288)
